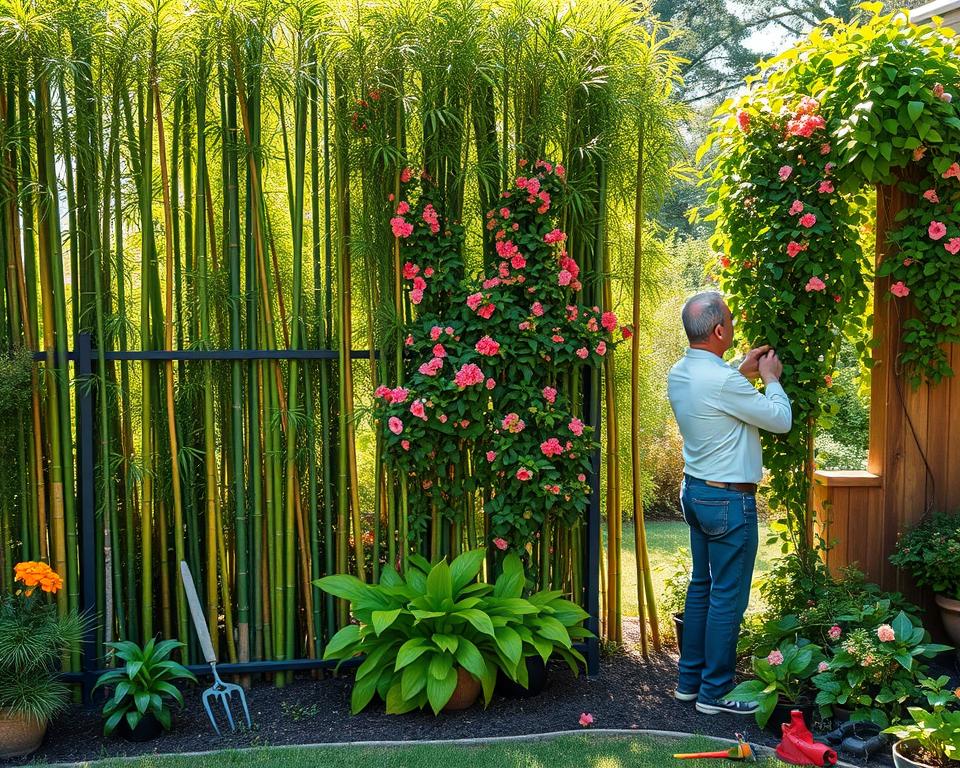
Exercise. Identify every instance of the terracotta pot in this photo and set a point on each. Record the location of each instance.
(19, 734)
(536, 680)
(466, 692)
(950, 616)
(900, 760)
(781, 714)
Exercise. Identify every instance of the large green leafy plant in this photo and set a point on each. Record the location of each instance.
(851, 106)
(415, 631)
(935, 732)
(143, 684)
(930, 552)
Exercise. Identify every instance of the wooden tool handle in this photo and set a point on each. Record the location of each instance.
(199, 621)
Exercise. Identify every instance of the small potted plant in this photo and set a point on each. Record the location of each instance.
(142, 689)
(930, 553)
(782, 683)
(674, 595)
(437, 637)
(33, 639)
(932, 738)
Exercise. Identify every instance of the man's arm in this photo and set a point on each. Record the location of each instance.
(770, 411)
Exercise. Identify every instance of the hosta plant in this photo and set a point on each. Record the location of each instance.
(784, 673)
(934, 734)
(143, 684)
(416, 630)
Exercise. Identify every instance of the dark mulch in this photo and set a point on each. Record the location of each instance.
(628, 693)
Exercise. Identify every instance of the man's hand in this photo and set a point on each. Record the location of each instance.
(770, 367)
(750, 366)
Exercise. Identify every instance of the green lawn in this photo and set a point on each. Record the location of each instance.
(576, 751)
(663, 540)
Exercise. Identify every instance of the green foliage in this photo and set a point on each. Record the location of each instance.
(851, 106)
(416, 630)
(33, 638)
(144, 684)
(875, 669)
(673, 595)
(930, 553)
(936, 731)
(785, 673)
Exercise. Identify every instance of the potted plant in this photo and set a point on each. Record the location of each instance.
(875, 670)
(33, 638)
(674, 594)
(782, 683)
(932, 739)
(930, 553)
(436, 636)
(142, 689)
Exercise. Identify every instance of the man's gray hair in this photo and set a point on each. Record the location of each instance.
(702, 312)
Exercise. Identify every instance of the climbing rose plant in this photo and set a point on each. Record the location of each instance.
(488, 362)
(850, 107)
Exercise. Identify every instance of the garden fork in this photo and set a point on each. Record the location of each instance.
(219, 690)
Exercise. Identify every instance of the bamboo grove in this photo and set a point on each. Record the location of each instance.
(217, 176)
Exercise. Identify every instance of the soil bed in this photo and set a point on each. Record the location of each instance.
(628, 693)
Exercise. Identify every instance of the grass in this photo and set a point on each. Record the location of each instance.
(580, 750)
(664, 540)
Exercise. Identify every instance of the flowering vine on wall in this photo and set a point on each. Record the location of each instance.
(852, 106)
(488, 410)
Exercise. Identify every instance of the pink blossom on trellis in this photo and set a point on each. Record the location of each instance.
(523, 474)
(550, 395)
(815, 284)
(936, 230)
(899, 289)
(609, 321)
(432, 367)
(825, 188)
(395, 425)
(401, 227)
(468, 375)
(952, 245)
(551, 447)
(410, 271)
(487, 346)
(952, 172)
(583, 353)
(808, 220)
(796, 208)
(576, 426)
(784, 172)
(500, 544)
(931, 196)
(793, 248)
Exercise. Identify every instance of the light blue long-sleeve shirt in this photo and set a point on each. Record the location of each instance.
(720, 415)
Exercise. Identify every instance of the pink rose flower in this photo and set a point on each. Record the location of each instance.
(793, 248)
(419, 284)
(936, 230)
(537, 309)
(435, 332)
(417, 409)
(931, 196)
(952, 245)
(822, 667)
(405, 444)
(524, 326)
(796, 208)
(410, 271)
(468, 375)
(500, 544)
(551, 447)
(824, 149)
(442, 418)
(401, 227)
(582, 477)
(886, 634)
(474, 300)
(834, 632)
(517, 261)
(808, 220)
(512, 423)
(491, 384)
(416, 295)
(550, 394)
(405, 175)
(586, 719)
(899, 289)
(815, 284)
(382, 391)
(582, 353)
(601, 348)
(408, 342)
(775, 659)
(953, 171)
(428, 272)
(403, 207)
(564, 277)
(784, 172)
(505, 213)
(491, 455)
(556, 338)
(554, 236)
(576, 426)
(395, 425)
(608, 321)
(486, 311)
(398, 395)
(487, 346)
(826, 187)
(523, 474)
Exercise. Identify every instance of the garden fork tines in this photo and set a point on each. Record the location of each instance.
(219, 690)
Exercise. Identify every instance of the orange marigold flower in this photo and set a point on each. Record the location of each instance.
(32, 574)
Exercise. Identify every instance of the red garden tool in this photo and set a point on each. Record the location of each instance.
(798, 747)
(740, 751)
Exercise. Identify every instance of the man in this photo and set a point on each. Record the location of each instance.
(720, 413)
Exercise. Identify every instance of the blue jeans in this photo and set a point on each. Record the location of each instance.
(723, 542)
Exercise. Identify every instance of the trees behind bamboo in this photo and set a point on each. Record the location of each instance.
(184, 177)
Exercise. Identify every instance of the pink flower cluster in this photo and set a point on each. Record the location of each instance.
(513, 423)
(555, 236)
(392, 396)
(900, 289)
(411, 272)
(551, 447)
(576, 426)
(550, 395)
(431, 217)
(487, 346)
(886, 634)
(815, 284)
(805, 120)
(468, 375)
(483, 308)
(834, 633)
(793, 248)
(775, 658)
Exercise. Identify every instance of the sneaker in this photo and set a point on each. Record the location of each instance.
(684, 696)
(724, 706)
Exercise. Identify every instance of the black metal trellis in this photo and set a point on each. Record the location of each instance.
(84, 358)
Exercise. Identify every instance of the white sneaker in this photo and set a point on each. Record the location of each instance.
(681, 696)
